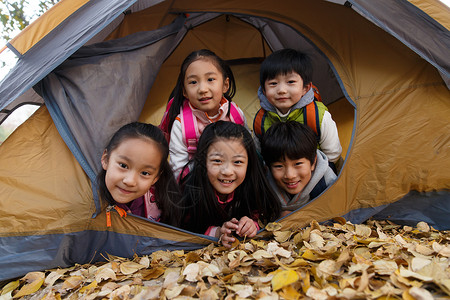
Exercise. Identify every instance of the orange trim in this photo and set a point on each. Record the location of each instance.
(108, 218)
(316, 93)
(3, 49)
(310, 112)
(257, 122)
(121, 211)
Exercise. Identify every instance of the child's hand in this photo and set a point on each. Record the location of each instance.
(246, 227)
(226, 230)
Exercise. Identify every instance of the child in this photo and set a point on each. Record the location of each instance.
(202, 95)
(136, 175)
(286, 93)
(299, 171)
(226, 190)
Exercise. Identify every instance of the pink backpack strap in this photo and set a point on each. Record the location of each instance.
(235, 115)
(189, 126)
(164, 126)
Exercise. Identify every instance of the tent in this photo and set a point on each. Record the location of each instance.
(382, 68)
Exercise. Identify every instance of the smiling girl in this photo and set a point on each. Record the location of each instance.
(136, 176)
(202, 96)
(226, 191)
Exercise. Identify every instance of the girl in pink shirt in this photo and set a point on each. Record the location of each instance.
(202, 96)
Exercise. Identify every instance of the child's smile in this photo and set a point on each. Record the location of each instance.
(131, 169)
(292, 175)
(204, 86)
(226, 165)
(285, 90)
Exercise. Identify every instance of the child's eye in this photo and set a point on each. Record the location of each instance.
(211, 79)
(299, 163)
(145, 173)
(292, 81)
(192, 82)
(277, 166)
(272, 83)
(238, 162)
(122, 165)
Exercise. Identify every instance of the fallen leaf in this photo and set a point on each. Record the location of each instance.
(420, 293)
(363, 230)
(191, 272)
(422, 226)
(284, 278)
(35, 281)
(407, 273)
(282, 236)
(317, 294)
(121, 292)
(130, 267)
(145, 261)
(72, 282)
(424, 250)
(105, 274)
(241, 290)
(89, 288)
(174, 291)
(10, 287)
(152, 273)
(418, 263)
(385, 267)
(273, 226)
(289, 293)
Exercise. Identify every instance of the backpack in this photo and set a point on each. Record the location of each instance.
(310, 116)
(189, 124)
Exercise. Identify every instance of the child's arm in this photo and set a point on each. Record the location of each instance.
(329, 138)
(179, 155)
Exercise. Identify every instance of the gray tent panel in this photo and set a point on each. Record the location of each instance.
(429, 39)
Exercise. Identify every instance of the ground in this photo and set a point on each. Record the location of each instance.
(375, 260)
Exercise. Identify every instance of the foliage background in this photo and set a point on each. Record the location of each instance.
(15, 15)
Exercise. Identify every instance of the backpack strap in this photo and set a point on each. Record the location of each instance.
(311, 117)
(258, 123)
(164, 125)
(317, 96)
(235, 115)
(189, 126)
(318, 189)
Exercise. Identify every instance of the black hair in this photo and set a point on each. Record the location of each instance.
(177, 92)
(254, 195)
(289, 139)
(167, 192)
(285, 61)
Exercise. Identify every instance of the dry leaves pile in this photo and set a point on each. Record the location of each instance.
(377, 260)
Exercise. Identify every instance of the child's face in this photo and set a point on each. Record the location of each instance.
(204, 86)
(292, 175)
(284, 91)
(132, 168)
(226, 165)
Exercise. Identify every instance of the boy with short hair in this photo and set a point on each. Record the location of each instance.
(287, 94)
(298, 171)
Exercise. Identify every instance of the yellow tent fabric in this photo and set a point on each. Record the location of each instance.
(33, 33)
